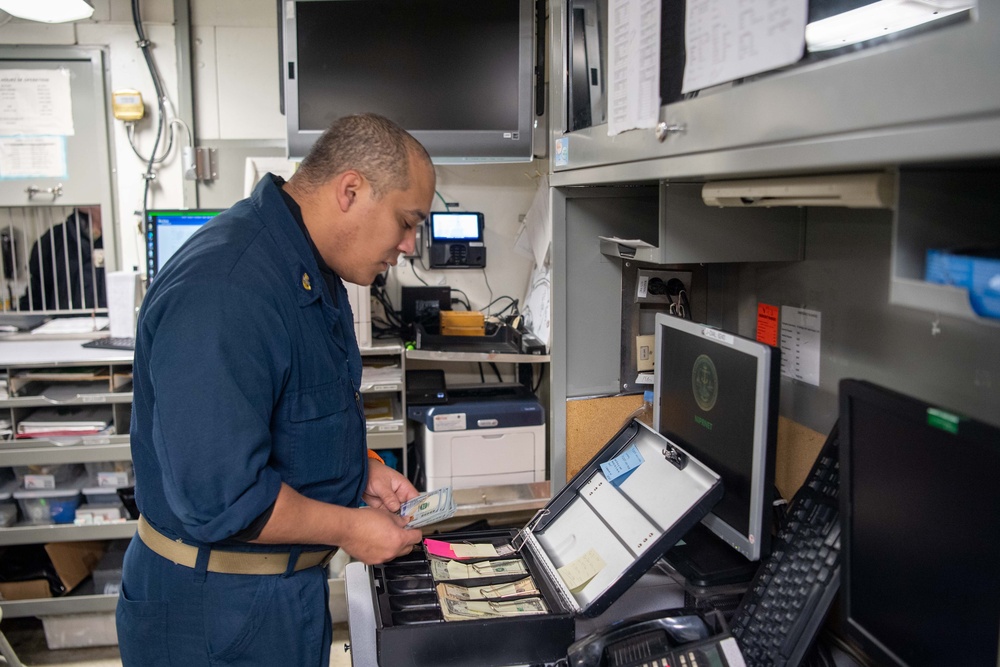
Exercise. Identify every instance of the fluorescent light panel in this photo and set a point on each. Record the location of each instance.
(878, 19)
(48, 11)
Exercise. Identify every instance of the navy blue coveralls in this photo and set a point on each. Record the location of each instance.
(245, 376)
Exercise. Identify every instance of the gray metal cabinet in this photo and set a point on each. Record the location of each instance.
(931, 96)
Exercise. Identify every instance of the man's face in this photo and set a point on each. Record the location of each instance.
(383, 228)
(95, 219)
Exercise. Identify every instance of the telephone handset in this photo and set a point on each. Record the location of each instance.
(671, 638)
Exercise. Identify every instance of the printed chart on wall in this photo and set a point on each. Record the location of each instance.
(800, 338)
(36, 115)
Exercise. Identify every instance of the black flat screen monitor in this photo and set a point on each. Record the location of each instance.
(455, 74)
(920, 502)
(166, 231)
(715, 394)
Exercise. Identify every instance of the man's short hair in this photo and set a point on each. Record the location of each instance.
(372, 145)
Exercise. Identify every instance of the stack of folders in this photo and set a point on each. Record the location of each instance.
(66, 421)
(429, 508)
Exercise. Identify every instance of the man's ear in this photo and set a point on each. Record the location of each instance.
(347, 189)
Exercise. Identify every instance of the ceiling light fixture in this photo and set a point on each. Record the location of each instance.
(48, 11)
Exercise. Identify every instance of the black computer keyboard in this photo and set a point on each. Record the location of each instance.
(111, 343)
(789, 597)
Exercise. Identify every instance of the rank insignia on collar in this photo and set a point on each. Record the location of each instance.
(305, 282)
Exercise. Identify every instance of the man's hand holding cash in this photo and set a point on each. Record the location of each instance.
(429, 508)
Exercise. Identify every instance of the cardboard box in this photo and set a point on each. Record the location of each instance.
(72, 561)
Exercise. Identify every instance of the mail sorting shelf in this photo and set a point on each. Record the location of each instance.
(384, 395)
(104, 381)
(383, 376)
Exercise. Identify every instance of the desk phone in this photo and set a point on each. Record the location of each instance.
(672, 638)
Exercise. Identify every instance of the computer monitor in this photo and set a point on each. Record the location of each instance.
(715, 394)
(166, 231)
(920, 547)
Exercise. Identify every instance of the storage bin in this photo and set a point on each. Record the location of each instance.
(47, 476)
(110, 474)
(8, 508)
(95, 515)
(101, 495)
(78, 630)
(40, 506)
(8, 514)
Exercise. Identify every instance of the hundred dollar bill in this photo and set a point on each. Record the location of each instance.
(429, 508)
(513, 589)
(458, 610)
(443, 570)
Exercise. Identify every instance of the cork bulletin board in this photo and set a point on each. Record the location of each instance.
(591, 423)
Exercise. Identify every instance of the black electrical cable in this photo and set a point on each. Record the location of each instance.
(422, 268)
(466, 303)
(496, 371)
(161, 110)
(541, 374)
(489, 288)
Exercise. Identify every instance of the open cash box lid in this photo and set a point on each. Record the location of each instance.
(616, 530)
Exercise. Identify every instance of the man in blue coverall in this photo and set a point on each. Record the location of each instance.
(247, 431)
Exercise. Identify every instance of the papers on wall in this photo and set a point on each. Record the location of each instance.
(730, 39)
(35, 101)
(33, 157)
(537, 310)
(800, 337)
(633, 65)
(535, 236)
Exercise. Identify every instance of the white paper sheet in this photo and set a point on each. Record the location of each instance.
(32, 157)
(729, 39)
(538, 223)
(800, 349)
(35, 101)
(537, 308)
(633, 65)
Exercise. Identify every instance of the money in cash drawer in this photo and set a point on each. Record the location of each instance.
(632, 502)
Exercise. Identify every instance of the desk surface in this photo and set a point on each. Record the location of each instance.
(56, 351)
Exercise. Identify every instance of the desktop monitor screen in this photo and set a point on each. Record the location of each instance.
(166, 231)
(920, 506)
(715, 394)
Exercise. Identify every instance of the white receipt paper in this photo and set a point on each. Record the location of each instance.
(730, 39)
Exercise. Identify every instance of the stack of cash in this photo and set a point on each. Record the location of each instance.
(444, 570)
(429, 508)
(459, 610)
(514, 589)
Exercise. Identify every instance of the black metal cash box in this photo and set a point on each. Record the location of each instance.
(629, 525)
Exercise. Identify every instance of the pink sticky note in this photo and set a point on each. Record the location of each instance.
(439, 548)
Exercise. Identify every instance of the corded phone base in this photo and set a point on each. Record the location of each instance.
(672, 638)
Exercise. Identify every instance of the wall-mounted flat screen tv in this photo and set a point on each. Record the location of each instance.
(455, 74)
